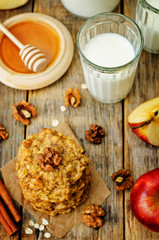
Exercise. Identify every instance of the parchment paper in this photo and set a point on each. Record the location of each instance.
(61, 224)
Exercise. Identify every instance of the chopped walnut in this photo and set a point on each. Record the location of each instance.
(23, 112)
(47, 167)
(3, 133)
(94, 134)
(92, 216)
(122, 179)
(94, 210)
(72, 97)
(27, 143)
(49, 160)
(56, 159)
(91, 221)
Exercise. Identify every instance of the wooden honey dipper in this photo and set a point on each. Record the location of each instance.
(32, 57)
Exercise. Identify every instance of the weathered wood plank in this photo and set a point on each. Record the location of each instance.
(9, 147)
(139, 157)
(8, 96)
(107, 157)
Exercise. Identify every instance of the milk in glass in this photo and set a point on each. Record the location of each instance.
(109, 45)
(147, 17)
(109, 50)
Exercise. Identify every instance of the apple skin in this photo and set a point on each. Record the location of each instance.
(141, 132)
(144, 200)
(144, 121)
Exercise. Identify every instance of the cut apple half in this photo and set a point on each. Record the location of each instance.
(144, 121)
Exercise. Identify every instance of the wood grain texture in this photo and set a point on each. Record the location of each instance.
(119, 148)
(107, 157)
(9, 96)
(139, 157)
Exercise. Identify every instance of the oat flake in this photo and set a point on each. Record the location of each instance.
(31, 223)
(41, 228)
(84, 86)
(36, 225)
(63, 109)
(28, 231)
(55, 122)
(47, 235)
(45, 222)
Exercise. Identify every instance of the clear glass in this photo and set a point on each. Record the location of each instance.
(109, 85)
(147, 17)
(88, 8)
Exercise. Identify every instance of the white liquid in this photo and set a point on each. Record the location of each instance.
(109, 50)
(148, 21)
(88, 8)
(154, 3)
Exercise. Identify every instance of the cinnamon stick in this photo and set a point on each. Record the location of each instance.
(6, 198)
(7, 218)
(5, 224)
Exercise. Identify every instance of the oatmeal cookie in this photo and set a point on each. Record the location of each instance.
(48, 187)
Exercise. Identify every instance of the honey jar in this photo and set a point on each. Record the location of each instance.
(45, 33)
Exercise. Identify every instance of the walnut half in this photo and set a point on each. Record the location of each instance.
(90, 221)
(94, 210)
(72, 97)
(91, 216)
(122, 179)
(23, 112)
(94, 134)
(3, 133)
(49, 160)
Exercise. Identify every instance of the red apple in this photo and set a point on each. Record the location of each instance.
(144, 200)
(144, 121)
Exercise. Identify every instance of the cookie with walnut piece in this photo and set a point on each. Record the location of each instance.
(53, 172)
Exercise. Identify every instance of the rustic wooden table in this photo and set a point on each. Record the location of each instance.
(119, 149)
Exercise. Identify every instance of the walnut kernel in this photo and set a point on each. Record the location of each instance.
(94, 134)
(23, 112)
(91, 216)
(3, 133)
(122, 179)
(94, 210)
(49, 160)
(72, 97)
(27, 143)
(91, 221)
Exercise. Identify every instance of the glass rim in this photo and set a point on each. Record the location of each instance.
(156, 10)
(110, 69)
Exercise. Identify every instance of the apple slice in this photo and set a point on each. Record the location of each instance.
(144, 121)
(10, 4)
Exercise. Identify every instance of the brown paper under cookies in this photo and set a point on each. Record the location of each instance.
(61, 224)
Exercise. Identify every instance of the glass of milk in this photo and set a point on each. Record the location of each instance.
(147, 17)
(109, 45)
(88, 8)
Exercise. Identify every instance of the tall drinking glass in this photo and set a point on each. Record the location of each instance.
(147, 17)
(109, 84)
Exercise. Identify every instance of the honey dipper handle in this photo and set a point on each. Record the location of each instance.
(11, 36)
